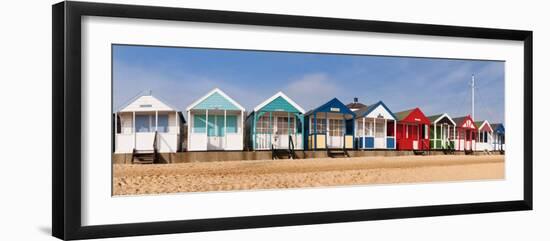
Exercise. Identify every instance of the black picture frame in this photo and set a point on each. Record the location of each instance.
(66, 141)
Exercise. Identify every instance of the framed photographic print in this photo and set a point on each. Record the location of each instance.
(169, 120)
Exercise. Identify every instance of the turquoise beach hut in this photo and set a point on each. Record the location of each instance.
(215, 123)
(276, 123)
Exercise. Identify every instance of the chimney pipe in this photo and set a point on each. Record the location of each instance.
(355, 100)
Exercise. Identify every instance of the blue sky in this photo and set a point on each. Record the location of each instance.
(181, 75)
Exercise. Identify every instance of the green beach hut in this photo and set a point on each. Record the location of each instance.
(442, 132)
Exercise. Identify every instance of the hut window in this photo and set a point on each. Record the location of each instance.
(199, 124)
(369, 126)
(379, 129)
(231, 124)
(321, 126)
(214, 125)
(336, 127)
(283, 124)
(298, 125)
(483, 136)
(162, 125)
(143, 123)
(263, 125)
(359, 127)
(390, 128)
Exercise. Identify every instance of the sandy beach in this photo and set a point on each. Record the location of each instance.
(275, 174)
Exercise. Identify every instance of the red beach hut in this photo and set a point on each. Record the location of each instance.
(413, 130)
(466, 132)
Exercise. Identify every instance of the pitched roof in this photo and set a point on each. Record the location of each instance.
(367, 109)
(330, 105)
(460, 120)
(216, 99)
(433, 118)
(438, 117)
(403, 114)
(356, 105)
(498, 127)
(479, 124)
(280, 100)
(145, 103)
(363, 110)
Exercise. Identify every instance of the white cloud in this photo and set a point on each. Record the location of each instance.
(312, 90)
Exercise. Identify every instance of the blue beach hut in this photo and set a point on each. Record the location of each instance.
(498, 137)
(330, 126)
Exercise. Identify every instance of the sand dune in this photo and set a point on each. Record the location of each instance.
(274, 174)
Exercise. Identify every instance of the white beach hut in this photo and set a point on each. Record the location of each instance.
(216, 122)
(147, 124)
(375, 127)
(484, 136)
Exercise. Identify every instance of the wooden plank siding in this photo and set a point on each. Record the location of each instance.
(264, 122)
(332, 110)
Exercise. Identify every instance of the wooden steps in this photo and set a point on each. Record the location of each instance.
(335, 153)
(448, 151)
(282, 154)
(144, 157)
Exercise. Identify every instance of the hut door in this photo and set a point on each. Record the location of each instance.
(379, 133)
(444, 136)
(285, 129)
(415, 135)
(215, 132)
(335, 133)
(264, 129)
(468, 140)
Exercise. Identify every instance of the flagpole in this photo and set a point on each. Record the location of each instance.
(473, 97)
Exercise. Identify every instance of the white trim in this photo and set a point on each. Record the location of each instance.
(485, 122)
(380, 105)
(224, 129)
(156, 120)
(215, 90)
(441, 117)
(279, 94)
(134, 127)
(363, 136)
(122, 110)
(116, 123)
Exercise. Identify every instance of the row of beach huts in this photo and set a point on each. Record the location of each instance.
(216, 122)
